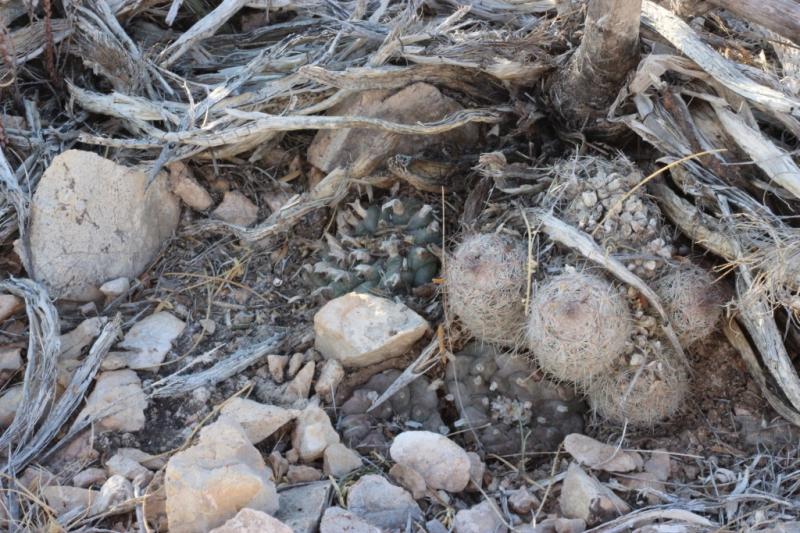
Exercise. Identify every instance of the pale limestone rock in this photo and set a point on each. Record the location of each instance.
(185, 186)
(149, 340)
(236, 208)
(442, 463)
(300, 386)
(362, 151)
(9, 304)
(252, 521)
(598, 456)
(125, 467)
(73, 343)
(258, 420)
(120, 393)
(382, 504)
(361, 329)
(9, 403)
(409, 479)
(330, 375)
(277, 366)
(339, 460)
(64, 499)
(208, 483)
(313, 433)
(90, 476)
(295, 362)
(481, 518)
(93, 220)
(116, 496)
(338, 520)
(584, 497)
(115, 287)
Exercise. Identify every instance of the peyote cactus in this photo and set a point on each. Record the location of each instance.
(503, 400)
(413, 407)
(384, 249)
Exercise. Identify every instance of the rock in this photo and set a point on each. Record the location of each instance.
(9, 404)
(277, 365)
(116, 496)
(279, 465)
(409, 479)
(362, 151)
(330, 375)
(302, 506)
(477, 469)
(120, 393)
(64, 499)
(114, 361)
(115, 287)
(151, 462)
(35, 477)
(599, 456)
(360, 329)
(481, 518)
(294, 364)
(213, 480)
(183, 185)
(73, 343)
(10, 359)
(125, 467)
(586, 498)
(560, 525)
(645, 483)
(338, 520)
(149, 340)
(339, 460)
(435, 526)
(441, 462)
(659, 464)
(252, 521)
(313, 433)
(522, 502)
(302, 474)
(90, 476)
(300, 386)
(9, 304)
(258, 420)
(93, 220)
(236, 208)
(382, 504)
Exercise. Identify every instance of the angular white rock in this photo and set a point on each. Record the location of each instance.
(120, 393)
(208, 483)
(149, 340)
(252, 521)
(258, 420)
(442, 463)
(115, 287)
(338, 520)
(339, 460)
(73, 343)
(599, 456)
(330, 375)
(382, 504)
(300, 386)
(362, 329)
(479, 518)
(313, 433)
(93, 220)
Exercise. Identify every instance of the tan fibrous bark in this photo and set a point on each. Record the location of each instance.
(589, 83)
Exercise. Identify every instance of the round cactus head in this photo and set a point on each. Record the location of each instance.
(578, 326)
(486, 281)
(692, 300)
(644, 390)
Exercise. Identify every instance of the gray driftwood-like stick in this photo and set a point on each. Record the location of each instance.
(780, 16)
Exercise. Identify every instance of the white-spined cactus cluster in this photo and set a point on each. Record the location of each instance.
(582, 326)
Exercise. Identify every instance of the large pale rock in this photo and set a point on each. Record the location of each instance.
(9, 304)
(313, 433)
(120, 394)
(338, 520)
(363, 150)
(73, 343)
(599, 456)
(481, 518)
(382, 504)
(442, 463)
(149, 340)
(584, 497)
(93, 220)
(252, 521)
(362, 329)
(258, 420)
(210, 482)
